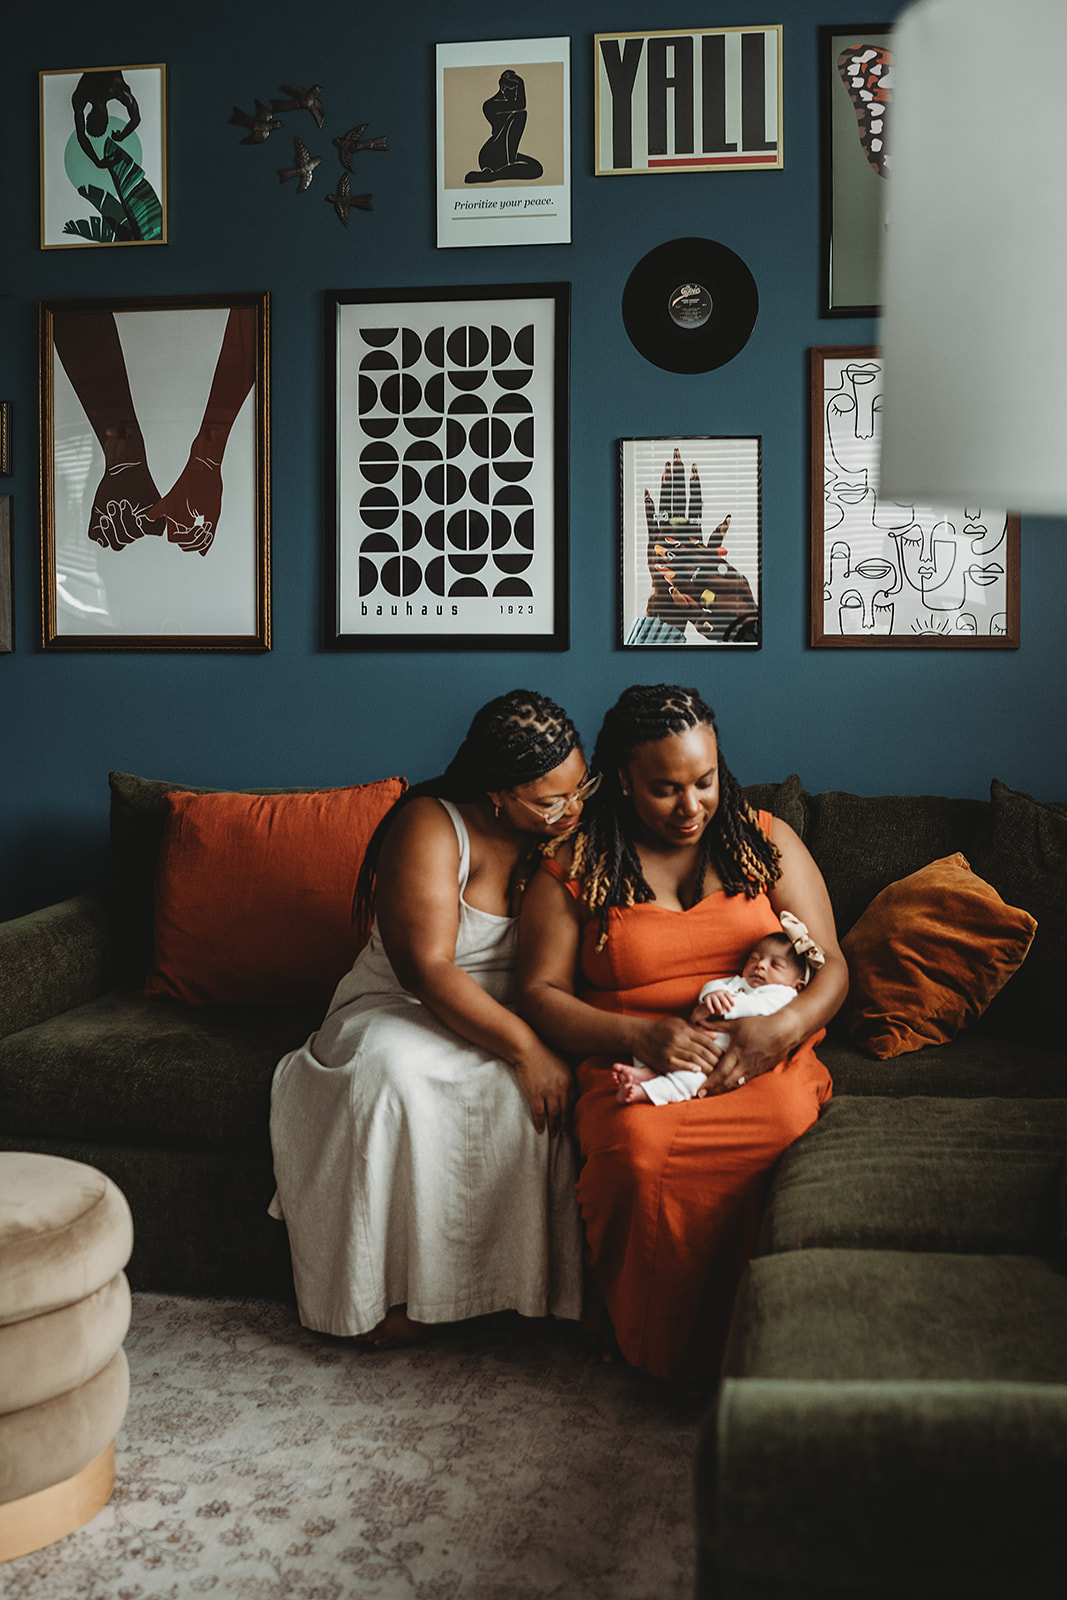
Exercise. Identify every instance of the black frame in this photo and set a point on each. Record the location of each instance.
(829, 86)
(345, 520)
(722, 620)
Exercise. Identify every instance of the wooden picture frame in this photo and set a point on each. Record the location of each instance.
(155, 467)
(885, 574)
(690, 553)
(103, 157)
(447, 466)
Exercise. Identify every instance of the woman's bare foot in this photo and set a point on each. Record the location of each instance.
(396, 1331)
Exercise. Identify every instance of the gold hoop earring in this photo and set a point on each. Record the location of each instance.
(496, 809)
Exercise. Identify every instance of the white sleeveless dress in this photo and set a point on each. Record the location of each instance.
(408, 1167)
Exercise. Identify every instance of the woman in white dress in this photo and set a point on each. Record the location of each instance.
(421, 1136)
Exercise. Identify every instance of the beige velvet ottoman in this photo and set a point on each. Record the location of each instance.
(65, 1236)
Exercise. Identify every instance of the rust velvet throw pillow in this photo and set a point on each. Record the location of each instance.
(927, 957)
(253, 900)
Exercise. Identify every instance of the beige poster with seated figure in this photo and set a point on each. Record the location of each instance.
(503, 143)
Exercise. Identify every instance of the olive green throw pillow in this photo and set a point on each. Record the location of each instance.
(1024, 854)
(927, 957)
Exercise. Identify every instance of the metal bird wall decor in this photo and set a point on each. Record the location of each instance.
(352, 141)
(264, 121)
(304, 168)
(344, 198)
(302, 100)
(260, 126)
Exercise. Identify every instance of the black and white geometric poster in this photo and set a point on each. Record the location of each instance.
(449, 458)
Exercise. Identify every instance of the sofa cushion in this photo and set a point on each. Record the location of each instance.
(975, 1063)
(134, 1069)
(928, 955)
(138, 816)
(254, 893)
(866, 1491)
(862, 843)
(918, 1173)
(899, 1314)
(786, 800)
(1023, 853)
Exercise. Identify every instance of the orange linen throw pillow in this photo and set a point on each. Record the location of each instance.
(253, 900)
(928, 955)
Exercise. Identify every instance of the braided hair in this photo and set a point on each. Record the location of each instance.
(515, 739)
(605, 858)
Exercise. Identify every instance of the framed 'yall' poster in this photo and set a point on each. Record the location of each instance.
(503, 143)
(689, 100)
(691, 542)
(155, 473)
(886, 573)
(448, 463)
(103, 156)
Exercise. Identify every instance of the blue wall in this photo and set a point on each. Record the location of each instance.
(871, 721)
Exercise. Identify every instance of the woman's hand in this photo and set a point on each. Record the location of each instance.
(756, 1046)
(667, 1044)
(548, 1084)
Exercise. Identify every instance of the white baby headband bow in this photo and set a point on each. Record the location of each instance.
(803, 943)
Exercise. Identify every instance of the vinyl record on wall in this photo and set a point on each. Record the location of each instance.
(690, 305)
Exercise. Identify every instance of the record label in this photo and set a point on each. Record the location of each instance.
(690, 305)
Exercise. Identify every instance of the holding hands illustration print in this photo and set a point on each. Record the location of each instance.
(127, 505)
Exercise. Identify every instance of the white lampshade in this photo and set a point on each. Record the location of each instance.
(975, 269)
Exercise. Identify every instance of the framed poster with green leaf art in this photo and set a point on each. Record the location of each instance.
(103, 156)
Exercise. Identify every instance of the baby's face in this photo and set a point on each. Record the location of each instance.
(770, 962)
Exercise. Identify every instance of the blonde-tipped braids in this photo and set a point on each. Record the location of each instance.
(605, 859)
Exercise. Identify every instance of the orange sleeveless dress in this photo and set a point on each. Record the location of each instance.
(671, 1195)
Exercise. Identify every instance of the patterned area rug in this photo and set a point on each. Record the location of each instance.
(263, 1462)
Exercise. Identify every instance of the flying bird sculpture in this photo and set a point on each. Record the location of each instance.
(349, 143)
(260, 126)
(344, 198)
(302, 100)
(304, 168)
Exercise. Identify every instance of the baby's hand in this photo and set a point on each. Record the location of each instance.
(719, 1003)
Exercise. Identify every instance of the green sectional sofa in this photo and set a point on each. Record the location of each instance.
(892, 1416)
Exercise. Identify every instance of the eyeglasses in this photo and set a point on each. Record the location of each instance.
(551, 810)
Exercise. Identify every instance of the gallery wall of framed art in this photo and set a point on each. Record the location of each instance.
(690, 165)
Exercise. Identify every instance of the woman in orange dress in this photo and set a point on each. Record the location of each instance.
(670, 881)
